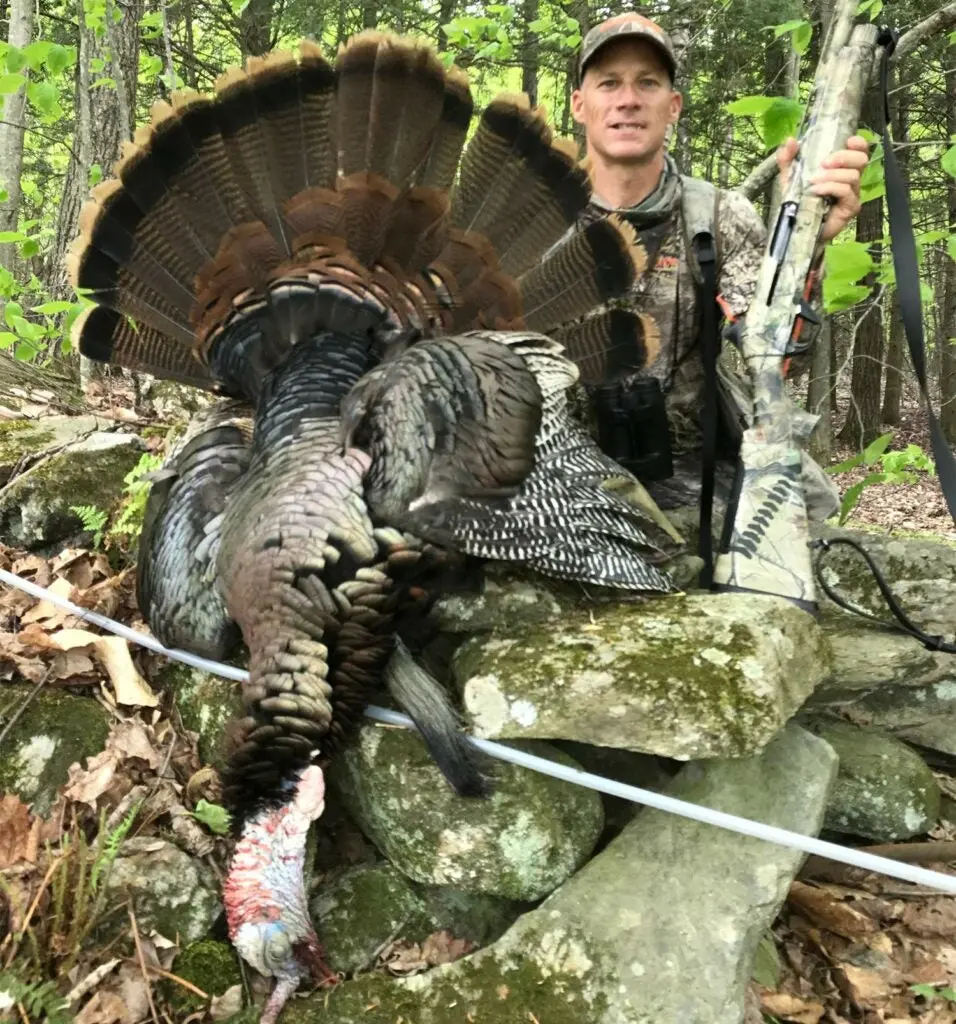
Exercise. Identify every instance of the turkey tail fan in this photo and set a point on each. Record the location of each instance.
(610, 344)
(585, 270)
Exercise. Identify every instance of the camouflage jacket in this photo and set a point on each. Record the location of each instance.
(668, 293)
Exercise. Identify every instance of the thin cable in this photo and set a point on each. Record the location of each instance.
(696, 812)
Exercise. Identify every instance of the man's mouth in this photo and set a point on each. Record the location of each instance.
(627, 126)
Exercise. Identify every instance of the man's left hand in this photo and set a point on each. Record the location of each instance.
(839, 178)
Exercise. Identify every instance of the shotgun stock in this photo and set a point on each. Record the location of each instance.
(765, 545)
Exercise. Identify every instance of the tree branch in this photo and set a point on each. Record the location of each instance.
(759, 178)
(941, 21)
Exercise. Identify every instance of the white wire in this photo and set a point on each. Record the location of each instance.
(696, 812)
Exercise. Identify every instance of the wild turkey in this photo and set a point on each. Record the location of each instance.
(311, 243)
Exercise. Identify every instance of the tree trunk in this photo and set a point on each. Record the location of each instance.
(947, 337)
(255, 28)
(446, 12)
(12, 133)
(820, 394)
(529, 52)
(862, 424)
(580, 10)
(103, 122)
(369, 14)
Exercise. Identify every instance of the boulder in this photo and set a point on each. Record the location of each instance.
(56, 731)
(22, 440)
(171, 892)
(688, 676)
(520, 844)
(211, 966)
(206, 704)
(883, 790)
(36, 506)
(667, 901)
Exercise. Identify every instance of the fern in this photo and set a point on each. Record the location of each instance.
(110, 846)
(93, 520)
(130, 520)
(41, 999)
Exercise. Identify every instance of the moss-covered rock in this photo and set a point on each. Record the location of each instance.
(520, 844)
(25, 438)
(35, 508)
(206, 704)
(171, 892)
(211, 966)
(362, 910)
(698, 675)
(474, 916)
(884, 791)
(56, 731)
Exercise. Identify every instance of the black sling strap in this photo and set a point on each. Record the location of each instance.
(906, 264)
(706, 254)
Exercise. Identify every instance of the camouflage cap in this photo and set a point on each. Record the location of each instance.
(635, 26)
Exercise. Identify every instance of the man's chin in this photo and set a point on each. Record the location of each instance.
(636, 154)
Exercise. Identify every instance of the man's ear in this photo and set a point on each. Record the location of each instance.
(677, 105)
(577, 106)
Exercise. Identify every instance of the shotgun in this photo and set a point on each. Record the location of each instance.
(765, 543)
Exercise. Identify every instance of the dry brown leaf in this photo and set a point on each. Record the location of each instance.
(129, 686)
(130, 739)
(46, 611)
(18, 834)
(932, 917)
(827, 912)
(71, 663)
(405, 958)
(87, 785)
(865, 986)
(227, 1005)
(104, 1008)
(442, 947)
(930, 973)
(791, 1008)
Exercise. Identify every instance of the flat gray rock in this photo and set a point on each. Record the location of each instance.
(689, 676)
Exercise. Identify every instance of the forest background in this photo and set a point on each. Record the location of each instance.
(77, 77)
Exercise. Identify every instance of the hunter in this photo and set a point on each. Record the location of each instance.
(627, 104)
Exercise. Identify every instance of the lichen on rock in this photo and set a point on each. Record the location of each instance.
(520, 844)
(206, 704)
(56, 731)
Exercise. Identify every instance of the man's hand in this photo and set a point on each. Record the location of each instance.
(839, 178)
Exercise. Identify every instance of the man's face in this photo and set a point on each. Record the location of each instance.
(626, 102)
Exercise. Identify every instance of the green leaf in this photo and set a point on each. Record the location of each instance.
(951, 246)
(36, 54)
(48, 308)
(948, 161)
(786, 26)
(14, 58)
(29, 248)
(43, 95)
(11, 83)
(539, 25)
(875, 449)
(780, 120)
(766, 965)
(58, 59)
(837, 297)
(12, 236)
(4, 195)
(11, 311)
(847, 262)
(95, 175)
(750, 106)
(505, 49)
(801, 38)
(7, 338)
(217, 819)
(853, 493)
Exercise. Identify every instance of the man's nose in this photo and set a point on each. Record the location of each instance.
(629, 96)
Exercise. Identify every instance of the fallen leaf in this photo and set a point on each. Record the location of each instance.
(865, 986)
(45, 609)
(128, 685)
(442, 947)
(130, 739)
(71, 663)
(16, 830)
(931, 918)
(87, 785)
(791, 1008)
(930, 973)
(827, 912)
(104, 1008)
(227, 1005)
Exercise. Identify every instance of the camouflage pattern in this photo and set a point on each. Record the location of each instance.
(668, 293)
(623, 25)
(769, 551)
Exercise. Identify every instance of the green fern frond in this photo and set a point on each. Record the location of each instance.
(92, 518)
(110, 847)
(41, 999)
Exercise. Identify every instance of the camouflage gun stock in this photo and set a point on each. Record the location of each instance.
(765, 543)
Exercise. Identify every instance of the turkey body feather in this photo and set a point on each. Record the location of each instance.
(372, 299)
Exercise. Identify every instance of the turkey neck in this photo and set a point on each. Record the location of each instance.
(297, 527)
